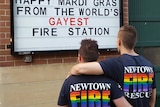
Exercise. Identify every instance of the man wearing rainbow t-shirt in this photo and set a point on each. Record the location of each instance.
(133, 72)
(90, 90)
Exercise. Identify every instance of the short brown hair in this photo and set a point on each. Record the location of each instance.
(128, 35)
(89, 50)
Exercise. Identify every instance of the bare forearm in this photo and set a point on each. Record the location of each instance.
(87, 68)
(63, 106)
(153, 98)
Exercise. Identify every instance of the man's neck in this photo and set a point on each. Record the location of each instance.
(129, 52)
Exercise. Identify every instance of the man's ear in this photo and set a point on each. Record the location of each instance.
(80, 59)
(98, 53)
(119, 42)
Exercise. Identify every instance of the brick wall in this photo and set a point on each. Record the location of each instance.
(125, 11)
(6, 59)
(4, 31)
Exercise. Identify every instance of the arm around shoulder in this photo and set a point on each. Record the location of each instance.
(88, 68)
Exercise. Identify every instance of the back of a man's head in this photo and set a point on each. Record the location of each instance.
(128, 35)
(89, 50)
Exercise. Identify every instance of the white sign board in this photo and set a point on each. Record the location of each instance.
(48, 25)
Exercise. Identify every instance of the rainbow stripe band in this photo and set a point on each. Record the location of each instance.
(90, 98)
(140, 82)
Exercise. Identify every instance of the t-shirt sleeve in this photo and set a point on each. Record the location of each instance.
(62, 100)
(116, 91)
(154, 80)
(108, 67)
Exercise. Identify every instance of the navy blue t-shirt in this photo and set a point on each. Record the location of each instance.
(89, 91)
(136, 76)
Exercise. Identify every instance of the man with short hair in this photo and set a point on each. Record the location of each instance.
(89, 90)
(133, 72)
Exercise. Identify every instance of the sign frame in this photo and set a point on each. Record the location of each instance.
(25, 52)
